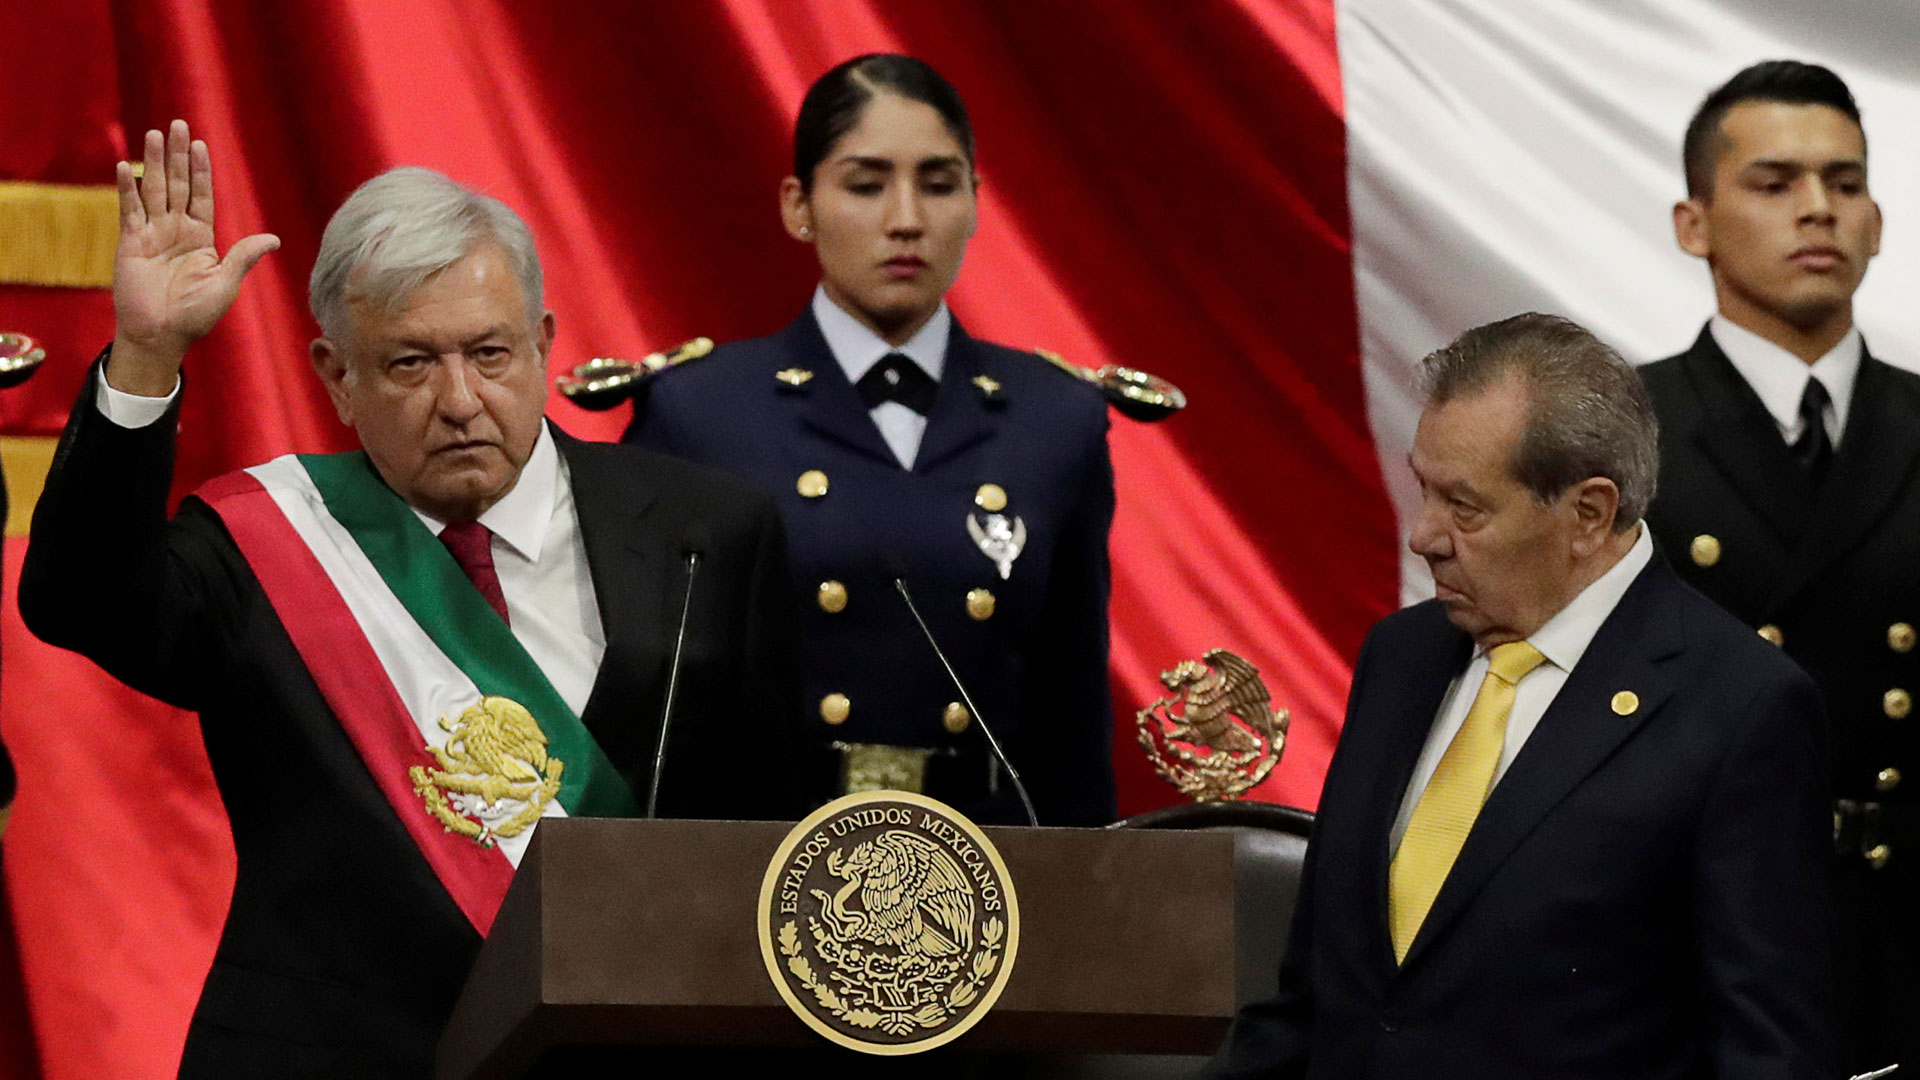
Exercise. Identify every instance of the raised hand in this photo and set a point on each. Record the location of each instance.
(169, 284)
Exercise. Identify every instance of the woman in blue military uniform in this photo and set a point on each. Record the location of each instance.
(900, 446)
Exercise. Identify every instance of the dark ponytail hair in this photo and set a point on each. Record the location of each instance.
(835, 101)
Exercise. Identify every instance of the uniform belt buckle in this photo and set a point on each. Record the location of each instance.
(879, 767)
(1857, 831)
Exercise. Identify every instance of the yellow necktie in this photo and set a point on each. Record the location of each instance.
(1452, 799)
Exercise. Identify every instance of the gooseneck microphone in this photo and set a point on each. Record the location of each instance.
(900, 583)
(690, 548)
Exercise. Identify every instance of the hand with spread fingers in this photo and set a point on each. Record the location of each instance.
(169, 284)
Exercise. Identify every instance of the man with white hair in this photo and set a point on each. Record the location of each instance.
(407, 656)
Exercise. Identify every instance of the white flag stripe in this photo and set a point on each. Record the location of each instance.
(429, 684)
(1509, 156)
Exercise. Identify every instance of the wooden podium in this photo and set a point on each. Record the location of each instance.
(641, 934)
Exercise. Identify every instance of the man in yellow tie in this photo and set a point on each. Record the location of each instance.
(1576, 824)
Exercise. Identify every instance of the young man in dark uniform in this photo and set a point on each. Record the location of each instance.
(1790, 488)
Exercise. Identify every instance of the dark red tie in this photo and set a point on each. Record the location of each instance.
(472, 546)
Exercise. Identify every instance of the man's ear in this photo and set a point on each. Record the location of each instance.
(545, 342)
(1596, 504)
(331, 365)
(796, 213)
(1690, 228)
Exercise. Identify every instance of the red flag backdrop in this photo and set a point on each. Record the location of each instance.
(1164, 189)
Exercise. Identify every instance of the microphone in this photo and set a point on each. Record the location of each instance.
(691, 547)
(894, 569)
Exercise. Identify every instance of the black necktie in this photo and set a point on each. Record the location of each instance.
(897, 378)
(1813, 449)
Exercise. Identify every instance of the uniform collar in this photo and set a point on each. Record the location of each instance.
(1779, 378)
(857, 348)
(522, 515)
(1563, 640)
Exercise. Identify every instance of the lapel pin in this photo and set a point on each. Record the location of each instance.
(1626, 703)
(1000, 538)
(793, 376)
(989, 386)
(1705, 550)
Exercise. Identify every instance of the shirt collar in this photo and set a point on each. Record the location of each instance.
(522, 515)
(1779, 377)
(857, 348)
(1565, 637)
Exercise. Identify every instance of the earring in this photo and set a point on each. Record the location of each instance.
(806, 231)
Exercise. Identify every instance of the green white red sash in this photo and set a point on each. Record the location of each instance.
(403, 647)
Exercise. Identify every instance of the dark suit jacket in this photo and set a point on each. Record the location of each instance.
(1038, 665)
(1642, 896)
(342, 954)
(1833, 572)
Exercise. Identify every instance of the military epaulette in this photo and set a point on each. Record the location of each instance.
(20, 357)
(1137, 394)
(606, 381)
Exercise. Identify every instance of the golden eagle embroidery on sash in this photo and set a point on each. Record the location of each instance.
(495, 778)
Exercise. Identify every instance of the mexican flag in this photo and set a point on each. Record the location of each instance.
(1279, 205)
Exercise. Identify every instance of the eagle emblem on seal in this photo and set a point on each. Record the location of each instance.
(1218, 735)
(888, 922)
(494, 777)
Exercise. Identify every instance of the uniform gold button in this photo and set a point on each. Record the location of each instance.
(1896, 703)
(1772, 633)
(834, 708)
(1878, 856)
(832, 597)
(956, 717)
(812, 484)
(980, 603)
(1625, 703)
(1705, 550)
(990, 497)
(1887, 780)
(1900, 637)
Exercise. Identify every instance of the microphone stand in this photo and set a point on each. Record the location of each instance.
(1020, 788)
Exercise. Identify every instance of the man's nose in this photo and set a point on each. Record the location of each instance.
(1427, 539)
(1816, 202)
(458, 400)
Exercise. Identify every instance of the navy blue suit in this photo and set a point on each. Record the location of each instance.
(1037, 665)
(1642, 895)
(1832, 574)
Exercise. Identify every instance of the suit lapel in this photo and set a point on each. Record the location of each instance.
(1872, 469)
(1578, 732)
(828, 404)
(1743, 443)
(631, 579)
(961, 414)
(1415, 700)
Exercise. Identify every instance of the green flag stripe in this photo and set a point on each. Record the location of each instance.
(436, 592)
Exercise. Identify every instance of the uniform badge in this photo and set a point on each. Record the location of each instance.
(1217, 736)
(495, 778)
(888, 922)
(999, 538)
(793, 376)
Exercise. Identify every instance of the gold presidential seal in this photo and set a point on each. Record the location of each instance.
(888, 922)
(1218, 735)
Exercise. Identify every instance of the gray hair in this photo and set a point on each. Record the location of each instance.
(401, 228)
(1588, 413)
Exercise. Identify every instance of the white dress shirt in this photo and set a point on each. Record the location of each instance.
(1562, 640)
(537, 552)
(858, 348)
(1780, 378)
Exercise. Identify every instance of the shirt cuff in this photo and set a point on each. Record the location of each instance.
(132, 410)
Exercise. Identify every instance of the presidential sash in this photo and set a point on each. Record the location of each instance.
(463, 733)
